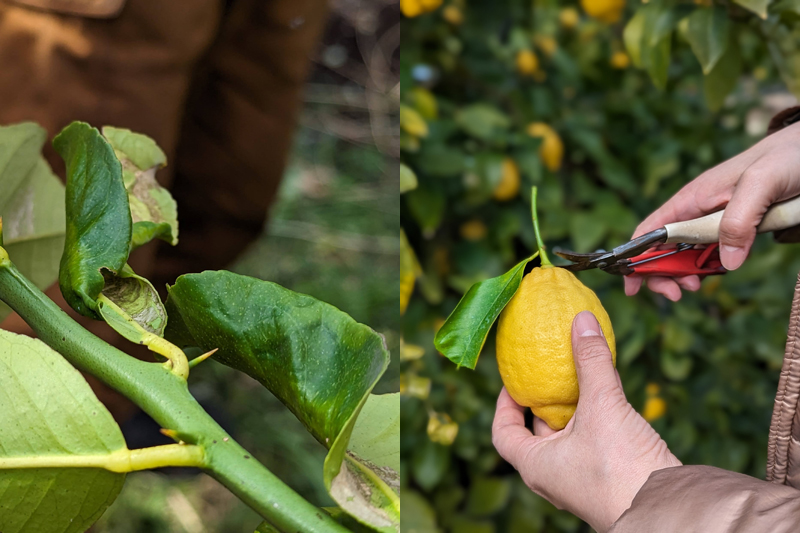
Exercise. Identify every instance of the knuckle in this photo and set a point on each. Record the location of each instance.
(734, 228)
(592, 350)
(712, 202)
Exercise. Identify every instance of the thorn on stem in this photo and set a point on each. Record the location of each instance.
(171, 433)
(200, 358)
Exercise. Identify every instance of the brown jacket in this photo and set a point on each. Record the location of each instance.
(710, 500)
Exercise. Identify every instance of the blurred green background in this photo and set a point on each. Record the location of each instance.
(332, 234)
(476, 75)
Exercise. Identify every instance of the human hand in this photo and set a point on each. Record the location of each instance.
(746, 186)
(594, 466)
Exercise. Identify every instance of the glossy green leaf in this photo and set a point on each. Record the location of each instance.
(427, 207)
(153, 210)
(488, 495)
(707, 33)
(408, 180)
(722, 79)
(48, 409)
(316, 359)
(418, 516)
(98, 234)
(667, 21)
(31, 205)
(786, 54)
(655, 56)
(463, 334)
(786, 6)
(482, 121)
(632, 35)
(467, 524)
(136, 307)
(440, 161)
(759, 7)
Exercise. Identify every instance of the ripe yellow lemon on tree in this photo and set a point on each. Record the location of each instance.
(453, 15)
(414, 8)
(608, 11)
(620, 60)
(546, 44)
(552, 148)
(473, 230)
(508, 187)
(569, 17)
(527, 62)
(534, 342)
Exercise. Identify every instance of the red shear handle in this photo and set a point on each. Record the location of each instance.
(688, 262)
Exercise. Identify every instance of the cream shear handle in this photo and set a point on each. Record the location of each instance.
(705, 230)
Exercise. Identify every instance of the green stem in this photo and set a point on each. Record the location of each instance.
(166, 398)
(120, 461)
(539, 243)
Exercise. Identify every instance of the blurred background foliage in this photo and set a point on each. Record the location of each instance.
(332, 233)
(502, 95)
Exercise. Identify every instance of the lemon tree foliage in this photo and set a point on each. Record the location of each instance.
(627, 102)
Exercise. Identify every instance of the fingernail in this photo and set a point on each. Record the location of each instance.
(732, 257)
(586, 324)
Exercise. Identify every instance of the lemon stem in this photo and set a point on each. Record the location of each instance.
(539, 243)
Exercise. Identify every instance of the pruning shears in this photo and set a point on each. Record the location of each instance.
(685, 259)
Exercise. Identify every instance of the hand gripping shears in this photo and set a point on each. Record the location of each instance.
(685, 259)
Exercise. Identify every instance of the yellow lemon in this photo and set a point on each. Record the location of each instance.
(411, 8)
(412, 122)
(424, 102)
(546, 44)
(620, 60)
(508, 187)
(569, 17)
(527, 62)
(534, 342)
(453, 15)
(473, 230)
(608, 11)
(654, 408)
(430, 5)
(652, 389)
(415, 8)
(552, 148)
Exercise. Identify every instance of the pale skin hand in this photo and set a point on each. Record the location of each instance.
(745, 185)
(594, 467)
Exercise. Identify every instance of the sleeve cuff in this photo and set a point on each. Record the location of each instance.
(712, 500)
(787, 117)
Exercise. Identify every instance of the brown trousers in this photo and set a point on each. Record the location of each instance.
(216, 83)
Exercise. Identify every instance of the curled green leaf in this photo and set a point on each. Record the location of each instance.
(98, 233)
(138, 300)
(153, 210)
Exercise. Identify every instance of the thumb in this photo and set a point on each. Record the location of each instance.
(750, 200)
(593, 362)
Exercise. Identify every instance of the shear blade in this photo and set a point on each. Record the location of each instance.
(580, 261)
